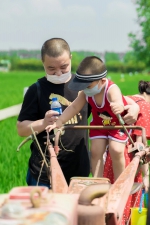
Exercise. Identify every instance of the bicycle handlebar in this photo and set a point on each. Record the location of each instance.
(102, 128)
(57, 136)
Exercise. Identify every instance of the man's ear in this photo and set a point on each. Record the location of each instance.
(71, 56)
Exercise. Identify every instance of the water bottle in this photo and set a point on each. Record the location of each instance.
(56, 106)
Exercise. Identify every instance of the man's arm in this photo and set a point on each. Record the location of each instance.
(24, 127)
(132, 111)
(29, 115)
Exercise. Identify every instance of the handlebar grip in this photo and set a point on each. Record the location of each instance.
(24, 141)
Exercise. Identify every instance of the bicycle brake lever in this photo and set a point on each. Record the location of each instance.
(31, 137)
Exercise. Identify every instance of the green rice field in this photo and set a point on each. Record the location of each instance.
(13, 165)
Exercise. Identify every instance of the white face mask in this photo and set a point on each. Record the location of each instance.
(63, 78)
(92, 91)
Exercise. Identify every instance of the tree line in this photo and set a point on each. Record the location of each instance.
(138, 59)
(115, 62)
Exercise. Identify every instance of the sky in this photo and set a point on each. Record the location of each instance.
(89, 25)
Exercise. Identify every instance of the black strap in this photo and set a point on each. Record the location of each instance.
(38, 92)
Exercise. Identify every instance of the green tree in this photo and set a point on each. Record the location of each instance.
(129, 57)
(111, 56)
(140, 42)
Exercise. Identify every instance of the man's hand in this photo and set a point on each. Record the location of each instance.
(132, 114)
(50, 117)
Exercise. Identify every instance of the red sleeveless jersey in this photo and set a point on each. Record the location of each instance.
(102, 115)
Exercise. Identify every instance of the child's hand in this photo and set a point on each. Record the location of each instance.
(50, 127)
(57, 124)
(116, 108)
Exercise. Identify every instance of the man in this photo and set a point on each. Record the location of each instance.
(56, 58)
(35, 112)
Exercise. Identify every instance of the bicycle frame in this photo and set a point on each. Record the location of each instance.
(111, 201)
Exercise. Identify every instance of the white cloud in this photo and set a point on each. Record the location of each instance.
(117, 8)
(121, 20)
(98, 26)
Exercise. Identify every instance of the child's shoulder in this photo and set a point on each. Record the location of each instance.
(109, 82)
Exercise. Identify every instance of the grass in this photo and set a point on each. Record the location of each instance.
(13, 165)
(12, 85)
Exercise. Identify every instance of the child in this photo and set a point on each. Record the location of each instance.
(107, 102)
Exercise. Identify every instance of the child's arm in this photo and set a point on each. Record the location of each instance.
(69, 112)
(115, 98)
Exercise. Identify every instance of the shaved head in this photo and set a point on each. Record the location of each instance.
(54, 47)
